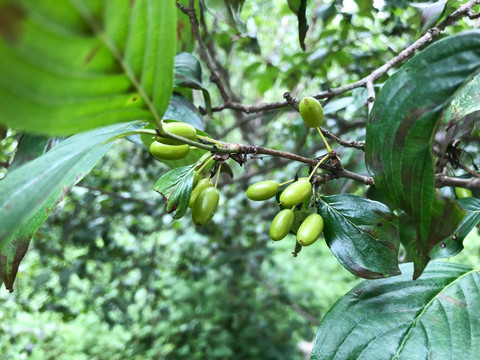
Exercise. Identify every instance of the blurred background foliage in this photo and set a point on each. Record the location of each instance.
(110, 275)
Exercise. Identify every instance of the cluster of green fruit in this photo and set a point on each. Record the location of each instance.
(204, 197)
(311, 228)
(171, 149)
(295, 194)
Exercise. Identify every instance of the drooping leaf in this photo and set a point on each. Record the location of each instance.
(227, 11)
(176, 188)
(431, 13)
(76, 65)
(453, 244)
(188, 73)
(361, 235)
(32, 191)
(29, 148)
(433, 317)
(400, 131)
(299, 8)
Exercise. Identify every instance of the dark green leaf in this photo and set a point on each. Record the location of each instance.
(431, 13)
(433, 317)
(33, 190)
(188, 73)
(361, 235)
(182, 109)
(400, 129)
(176, 188)
(105, 62)
(227, 11)
(299, 8)
(30, 147)
(452, 245)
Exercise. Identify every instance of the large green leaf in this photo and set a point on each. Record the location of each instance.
(68, 66)
(31, 192)
(400, 132)
(361, 235)
(434, 317)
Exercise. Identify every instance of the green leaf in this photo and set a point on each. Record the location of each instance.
(452, 245)
(431, 13)
(176, 188)
(460, 117)
(33, 190)
(79, 65)
(400, 130)
(361, 235)
(188, 73)
(299, 8)
(434, 317)
(227, 11)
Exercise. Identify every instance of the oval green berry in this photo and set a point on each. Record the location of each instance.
(463, 193)
(168, 152)
(205, 206)
(202, 185)
(263, 190)
(310, 230)
(178, 128)
(281, 224)
(295, 193)
(311, 112)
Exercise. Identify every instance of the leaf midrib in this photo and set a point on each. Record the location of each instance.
(411, 327)
(83, 11)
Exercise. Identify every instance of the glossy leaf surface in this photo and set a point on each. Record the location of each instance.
(77, 65)
(433, 317)
(400, 132)
(361, 235)
(176, 188)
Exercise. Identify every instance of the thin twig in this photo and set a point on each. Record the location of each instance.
(214, 77)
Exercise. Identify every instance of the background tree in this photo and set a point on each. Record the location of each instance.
(110, 260)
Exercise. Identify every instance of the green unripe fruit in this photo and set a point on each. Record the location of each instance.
(202, 185)
(296, 193)
(311, 112)
(196, 179)
(263, 190)
(463, 193)
(205, 206)
(178, 128)
(281, 224)
(310, 230)
(169, 152)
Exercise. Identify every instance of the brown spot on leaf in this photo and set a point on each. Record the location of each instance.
(91, 55)
(10, 17)
(379, 224)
